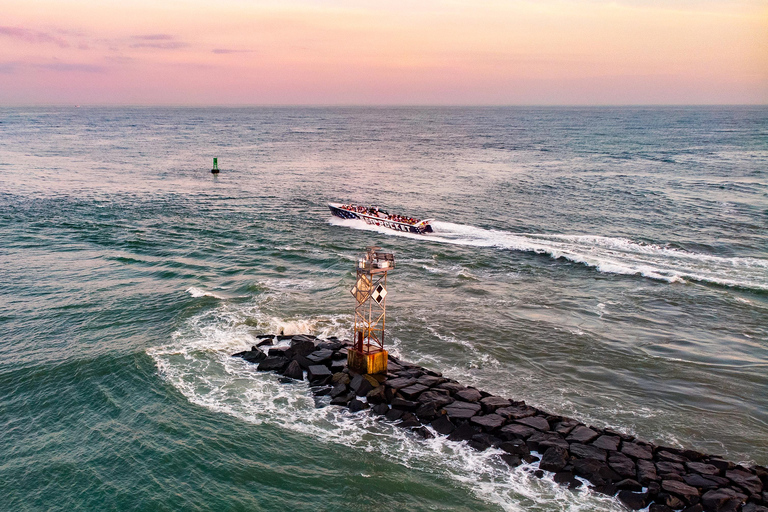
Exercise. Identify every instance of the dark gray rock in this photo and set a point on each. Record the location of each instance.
(340, 378)
(646, 471)
(684, 491)
(400, 382)
(745, 479)
(565, 426)
(670, 456)
(438, 399)
(607, 442)
(633, 500)
(540, 441)
(273, 364)
(752, 507)
(536, 422)
(356, 405)
(488, 422)
(320, 356)
(586, 451)
(265, 343)
(408, 420)
(380, 409)
(702, 468)
(554, 459)
(622, 464)
(483, 441)
(582, 434)
(566, 478)
(443, 425)
(461, 410)
(423, 432)
(426, 412)
(252, 356)
(516, 412)
(377, 395)
(468, 395)
(317, 373)
(664, 467)
(464, 432)
(700, 481)
(413, 391)
(629, 484)
(491, 403)
(303, 361)
(516, 447)
(659, 507)
(511, 460)
(637, 451)
(333, 346)
(720, 500)
(363, 384)
(342, 399)
(451, 387)
(429, 380)
(406, 405)
(394, 414)
(338, 390)
(596, 471)
(285, 352)
(303, 346)
(294, 371)
(516, 431)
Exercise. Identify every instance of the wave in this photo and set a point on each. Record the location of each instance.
(197, 292)
(605, 254)
(198, 363)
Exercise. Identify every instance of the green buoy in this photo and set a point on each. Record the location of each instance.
(215, 169)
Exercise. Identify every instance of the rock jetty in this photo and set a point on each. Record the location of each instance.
(640, 474)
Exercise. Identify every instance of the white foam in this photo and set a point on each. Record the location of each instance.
(605, 254)
(198, 362)
(197, 292)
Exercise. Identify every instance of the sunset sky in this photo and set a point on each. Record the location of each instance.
(242, 52)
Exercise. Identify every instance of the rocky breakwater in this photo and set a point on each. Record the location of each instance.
(640, 474)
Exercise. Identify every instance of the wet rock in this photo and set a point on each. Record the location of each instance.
(461, 410)
(400, 382)
(516, 412)
(304, 362)
(637, 451)
(607, 442)
(468, 395)
(664, 467)
(596, 471)
(629, 484)
(668, 456)
(338, 390)
(333, 346)
(303, 346)
(722, 465)
(252, 356)
(377, 395)
(745, 479)
(752, 507)
(340, 378)
(488, 422)
(380, 409)
(516, 431)
(491, 403)
(443, 425)
(356, 405)
(566, 478)
(672, 501)
(720, 500)
(700, 481)
(482, 442)
(426, 412)
(554, 459)
(429, 380)
(342, 399)
(684, 491)
(406, 405)
(540, 441)
(659, 507)
(702, 468)
(536, 422)
(633, 500)
(423, 432)
(516, 447)
(294, 371)
(464, 432)
(585, 451)
(581, 434)
(365, 385)
(266, 342)
(622, 464)
(284, 352)
(320, 356)
(394, 414)
(438, 399)
(408, 420)
(412, 392)
(646, 472)
(273, 364)
(511, 460)
(317, 373)
(565, 426)
(451, 387)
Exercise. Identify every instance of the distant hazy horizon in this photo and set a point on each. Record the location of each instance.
(343, 52)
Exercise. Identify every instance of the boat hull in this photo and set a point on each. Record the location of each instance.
(419, 228)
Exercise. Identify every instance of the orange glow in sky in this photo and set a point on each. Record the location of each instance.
(242, 52)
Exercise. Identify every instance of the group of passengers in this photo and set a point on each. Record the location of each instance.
(373, 211)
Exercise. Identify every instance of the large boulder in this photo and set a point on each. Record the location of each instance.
(596, 471)
(582, 434)
(702, 468)
(515, 412)
(406, 405)
(537, 422)
(622, 464)
(302, 345)
(637, 450)
(443, 425)
(586, 451)
(284, 351)
(273, 364)
(516, 447)
(461, 410)
(400, 382)
(554, 459)
(646, 471)
(633, 500)
(516, 431)
(468, 395)
(294, 371)
(320, 356)
(721, 500)
(684, 491)
(488, 422)
(318, 373)
(540, 441)
(464, 432)
(413, 391)
(438, 399)
(745, 479)
(252, 356)
(607, 442)
(491, 403)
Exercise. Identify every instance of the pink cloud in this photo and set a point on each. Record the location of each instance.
(31, 36)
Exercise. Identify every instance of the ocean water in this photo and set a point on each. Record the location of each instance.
(609, 264)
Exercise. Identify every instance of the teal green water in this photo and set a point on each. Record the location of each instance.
(608, 264)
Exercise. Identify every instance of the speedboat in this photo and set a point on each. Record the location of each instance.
(377, 217)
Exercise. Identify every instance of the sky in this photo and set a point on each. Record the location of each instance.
(344, 52)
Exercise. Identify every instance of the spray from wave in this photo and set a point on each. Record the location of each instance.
(605, 254)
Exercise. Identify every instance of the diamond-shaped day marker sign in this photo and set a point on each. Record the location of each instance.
(361, 289)
(379, 294)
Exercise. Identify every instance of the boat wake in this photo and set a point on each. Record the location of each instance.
(605, 254)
